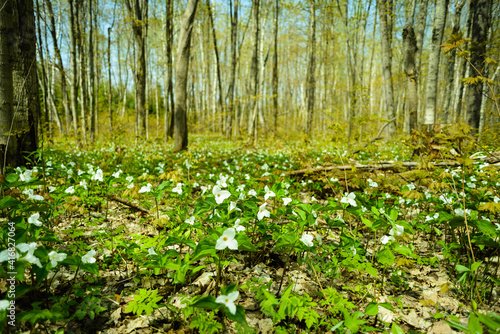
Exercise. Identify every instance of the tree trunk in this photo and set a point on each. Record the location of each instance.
(254, 68)
(81, 22)
(7, 43)
(385, 32)
(216, 50)
(181, 76)
(18, 75)
(409, 51)
(93, 95)
(451, 65)
(275, 68)
(60, 66)
(480, 10)
(139, 12)
(433, 75)
(74, 74)
(168, 84)
(232, 71)
(110, 94)
(311, 80)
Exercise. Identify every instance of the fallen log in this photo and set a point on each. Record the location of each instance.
(129, 204)
(370, 167)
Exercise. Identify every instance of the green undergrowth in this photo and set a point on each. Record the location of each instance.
(225, 236)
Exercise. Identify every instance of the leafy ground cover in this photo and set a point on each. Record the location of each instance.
(124, 239)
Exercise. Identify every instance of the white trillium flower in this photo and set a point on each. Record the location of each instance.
(98, 175)
(190, 220)
(287, 201)
(203, 189)
(26, 176)
(227, 240)
(307, 239)
(151, 251)
(240, 188)
(269, 193)
(4, 304)
(178, 189)
(30, 249)
(242, 197)
(385, 239)
(33, 219)
(56, 257)
(232, 206)
(228, 301)
(263, 212)
(397, 231)
(372, 183)
(349, 199)
(220, 195)
(252, 193)
(196, 184)
(70, 190)
(238, 227)
(146, 188)
(130, 186)
(353, 250)
(89, 257)
(129, 178)
(30, 194)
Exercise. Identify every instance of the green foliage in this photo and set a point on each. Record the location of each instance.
(145, 301)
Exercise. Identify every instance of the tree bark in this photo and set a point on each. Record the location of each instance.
(311, 80)
(8, 149)
(18, 71)
(480, 10)
(60, 66)
(93, 95)
(385, 32)
(254, 69)
(409, 50)
(451, 65)
(181, 76)
(432, 77)
(74, 74)
(216, 51)
(139, 13)
(275, 68)
(169, 93)
(232, 75)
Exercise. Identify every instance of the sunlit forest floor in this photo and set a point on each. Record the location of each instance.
(287, 237)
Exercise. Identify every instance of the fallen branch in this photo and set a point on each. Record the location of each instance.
(378, 166)
(129, 204)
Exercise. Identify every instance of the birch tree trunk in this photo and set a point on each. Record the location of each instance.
(385, 34)
(232, 75)
(433, 75)
(181, 76)
(311, 69)
(450, 68)
(480, 10)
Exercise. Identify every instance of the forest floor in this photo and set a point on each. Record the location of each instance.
(140, 240)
